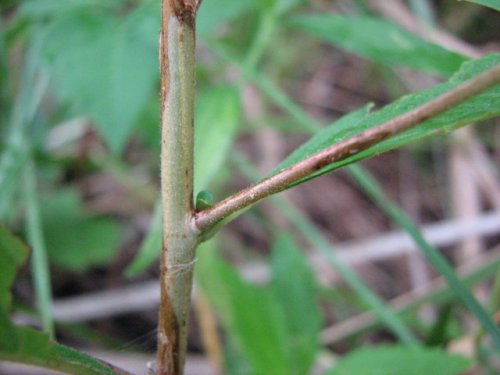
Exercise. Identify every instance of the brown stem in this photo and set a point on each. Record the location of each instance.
(177, 61)
(205, 220)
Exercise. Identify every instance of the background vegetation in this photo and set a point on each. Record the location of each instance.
(320, 279)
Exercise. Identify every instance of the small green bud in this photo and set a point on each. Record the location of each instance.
(204, 200)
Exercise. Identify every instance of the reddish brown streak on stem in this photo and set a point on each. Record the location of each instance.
(204, 220)
(185, 10)
(177, 91)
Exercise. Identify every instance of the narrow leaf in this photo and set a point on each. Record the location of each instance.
(218, 112)
(249, 314)
(151, 245)
(294, 287)
(35, 348)
(13, 254)
(478, 108)
(380, 41)
(391, 209)
(396, 360)
(493, 4)
(26, 345)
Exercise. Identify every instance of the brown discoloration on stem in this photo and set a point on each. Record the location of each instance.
(177, 50)
(185, 10)
(205, 220)
(168, 328)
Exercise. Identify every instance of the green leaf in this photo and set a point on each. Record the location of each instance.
(250, 315)
(218, 112)
(104, 66)
(150, 247)
(494, 4)
(13, 254)
(214, 12)
(76, 241)
(35, 348)
(294, 287)
(434, 256)
(48, 8)
(380, 41)
(327, 137)
(26, 345)
(204, 200)
(394, 360)
(8, 338)
(284, 5)
(478, 108)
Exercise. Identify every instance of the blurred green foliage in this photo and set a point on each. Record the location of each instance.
(61, 61)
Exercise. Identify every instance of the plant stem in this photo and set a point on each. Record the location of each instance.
(204, 220)
(321, 244)
(177, 60)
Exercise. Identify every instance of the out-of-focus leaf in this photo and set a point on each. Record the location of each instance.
(104, 66)
(326, 137)
(13, 254)
(35, 348)
(493, 4)
(8, 338)
(75, 241)
(284, 5)
(249, 314)
(213, 12)
(4, 75)
(395, 360)
(48, 8)
(218, 113)
(294, 287)
(478, 108)
(151, 246)
(380, 41)
(26, 345)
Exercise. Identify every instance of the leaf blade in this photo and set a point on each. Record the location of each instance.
(249, 314)
(478, 108)
(380, 41)
(294, 287)
(396, 360)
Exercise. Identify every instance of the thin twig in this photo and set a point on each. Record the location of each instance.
(205, 220)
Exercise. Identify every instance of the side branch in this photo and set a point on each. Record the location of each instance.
(205, 220)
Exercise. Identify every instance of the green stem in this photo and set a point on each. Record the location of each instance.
(321, 244)
(351, 146)
(177, 60)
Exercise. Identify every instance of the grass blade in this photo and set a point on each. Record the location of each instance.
(316, 238)
(41, 272)
(374, 191)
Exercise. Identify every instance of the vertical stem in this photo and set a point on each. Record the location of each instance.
(177, 60)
